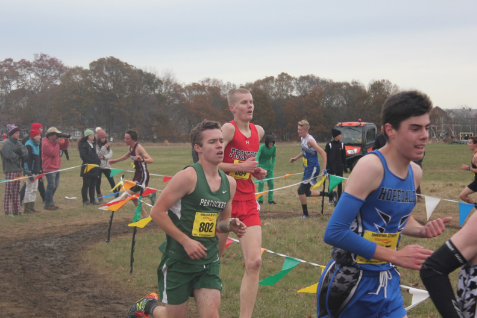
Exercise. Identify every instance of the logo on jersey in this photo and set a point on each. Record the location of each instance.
(241, 154)
(386, 219)
(396, 195)
(212, 203)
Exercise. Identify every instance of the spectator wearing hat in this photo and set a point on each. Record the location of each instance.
(336, 160)
(51, 163)
(12, 153)
(87, 151)
(103, 149)
(32, 168)
(41, 185)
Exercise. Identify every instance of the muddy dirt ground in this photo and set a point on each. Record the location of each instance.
(42, 273)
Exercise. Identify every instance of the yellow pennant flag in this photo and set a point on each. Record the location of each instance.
(89, 167)
(259, 195)
(310, 289)
(120, 183)
(319, 183)
(263, 250)
(133, 165)
(141, 223)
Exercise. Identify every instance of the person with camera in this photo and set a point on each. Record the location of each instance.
(32, 168)
(12, 153)
(103, 149)
(87, 151)
(51, 163)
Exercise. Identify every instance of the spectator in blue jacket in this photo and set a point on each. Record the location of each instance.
(32, 166)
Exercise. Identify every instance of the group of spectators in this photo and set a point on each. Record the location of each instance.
(34, 156)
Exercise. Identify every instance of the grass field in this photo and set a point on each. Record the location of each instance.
(287, 235)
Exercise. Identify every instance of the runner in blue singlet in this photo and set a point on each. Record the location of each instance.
(365, 228)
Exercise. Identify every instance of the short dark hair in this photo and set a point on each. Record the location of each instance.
(196, 132)
(401, 106)
(134, 134)
(474, 139)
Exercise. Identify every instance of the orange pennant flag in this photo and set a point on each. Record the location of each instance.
(259, 195)
(128, 185)
(21, 178)
(117, 205)
(288, 175)
(262, 251)
(166, 178)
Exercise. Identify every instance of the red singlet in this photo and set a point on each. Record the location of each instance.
(239, 149)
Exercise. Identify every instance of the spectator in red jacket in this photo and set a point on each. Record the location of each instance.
(51, 163)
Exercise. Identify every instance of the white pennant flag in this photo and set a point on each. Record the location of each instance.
(418, 296)
(431, 204)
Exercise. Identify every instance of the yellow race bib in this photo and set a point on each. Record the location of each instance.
(204, 224)
(305, 161)
(388, 240)
(239, 174)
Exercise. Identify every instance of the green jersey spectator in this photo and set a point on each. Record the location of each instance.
(266, 156)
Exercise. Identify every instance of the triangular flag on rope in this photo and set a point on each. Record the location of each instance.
(464, 210)
(148, 191)
(334, 181)
(262, 251)
(431, 204)
(288, 265)
(120, 183)
(166, 178)
(259, 195)
(310, 289)
(137, 212)
(288, 175)
(39, 176)
(141, 223)
(21, 178)
(229, 241)
(319, 183)
(128, 185)
(114, 172)
(116, 205)
(418, 296)
(89, 167)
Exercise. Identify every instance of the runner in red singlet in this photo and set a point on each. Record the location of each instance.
(140, 159)
(241, 142)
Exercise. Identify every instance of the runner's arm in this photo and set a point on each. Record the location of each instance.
(261, 132)
(124, 157)
(249, 165)
(144, 155)
(315, 146)
(451, 255)
(181, 184)
(364, 179)
(224, 219)
(292, 160)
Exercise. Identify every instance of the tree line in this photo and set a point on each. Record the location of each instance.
(116, 96)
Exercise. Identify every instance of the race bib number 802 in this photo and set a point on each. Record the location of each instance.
(204, 224)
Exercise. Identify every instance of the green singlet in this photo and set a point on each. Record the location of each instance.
(196, 216)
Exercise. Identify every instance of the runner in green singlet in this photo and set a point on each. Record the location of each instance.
(197, 200)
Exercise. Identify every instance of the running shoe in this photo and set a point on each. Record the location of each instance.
(272, 202)
(137, 309)
(303, 216)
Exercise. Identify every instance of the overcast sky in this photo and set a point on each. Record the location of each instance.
(425, 45)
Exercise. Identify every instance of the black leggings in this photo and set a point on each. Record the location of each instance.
(88, 186)
(107, 173)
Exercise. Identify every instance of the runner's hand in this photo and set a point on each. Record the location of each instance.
(434, 228)
(259, 173)
(238, 227)
(112, 161)
(411, 256)
(194, 249)
(292, 160)
(249, 165)
(465, 167)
